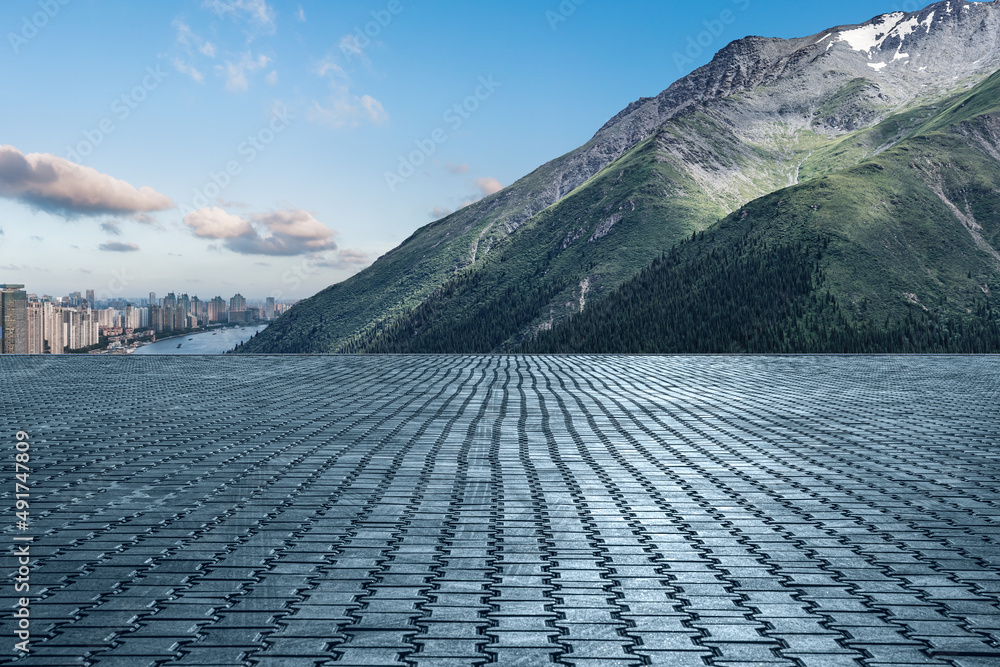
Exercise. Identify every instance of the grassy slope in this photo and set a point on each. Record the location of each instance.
(893, 232)
(540, 273)
(892, 249)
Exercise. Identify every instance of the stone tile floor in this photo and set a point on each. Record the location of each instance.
(519, 511)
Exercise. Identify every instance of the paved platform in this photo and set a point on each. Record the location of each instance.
(453, 511)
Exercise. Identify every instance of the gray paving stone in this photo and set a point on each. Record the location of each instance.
(445, 511)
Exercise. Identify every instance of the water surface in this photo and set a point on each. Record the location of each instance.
(209, 342)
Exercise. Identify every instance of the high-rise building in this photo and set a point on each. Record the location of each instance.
(156, 318)
(13, 319)
(269, 308)
(106, 317)
(92, 329)
(55, 329)
(132, 317)
(195, 309)
(152, 299)
(237, 303)
(169, 306)
(180, 317)
(83, 329)
(217, 310)
(237, 308)
(36, 327)
(90, 298)
(71, 318)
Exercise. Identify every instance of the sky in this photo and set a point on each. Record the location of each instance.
(277, 147)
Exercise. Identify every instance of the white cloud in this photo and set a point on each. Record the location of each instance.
(189, 70)
(301, 14)
(215, 223)
(376, 112)
(488, 186)
(237, 73)
(278, 233)
(344, 259)
(193, 45)
(191, 41)
(326, 66)
(184, 33)
(457, 169)
(344, 109)
(351, 49)
(257, 12)
(272, 78)
(57, 185)
(228, 203)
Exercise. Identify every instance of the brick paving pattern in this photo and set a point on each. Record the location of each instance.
(436, 512)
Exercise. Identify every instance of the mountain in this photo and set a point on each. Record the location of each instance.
(830, 115)
(897, 254)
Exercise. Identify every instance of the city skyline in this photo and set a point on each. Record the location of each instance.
(43, 324)
(280, 147)
(135, 299)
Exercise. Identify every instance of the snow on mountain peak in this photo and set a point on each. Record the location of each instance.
(872, 35)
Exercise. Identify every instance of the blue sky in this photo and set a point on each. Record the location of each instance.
(223, 145)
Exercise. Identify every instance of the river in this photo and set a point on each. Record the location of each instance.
(209, 342)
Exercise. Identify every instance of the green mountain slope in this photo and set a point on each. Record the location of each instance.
(897, 254)
(766, 114)
(591, 241)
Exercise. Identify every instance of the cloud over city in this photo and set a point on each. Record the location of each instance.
(56, 185)
(277, 233)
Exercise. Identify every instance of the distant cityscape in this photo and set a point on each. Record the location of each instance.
(80, 323)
